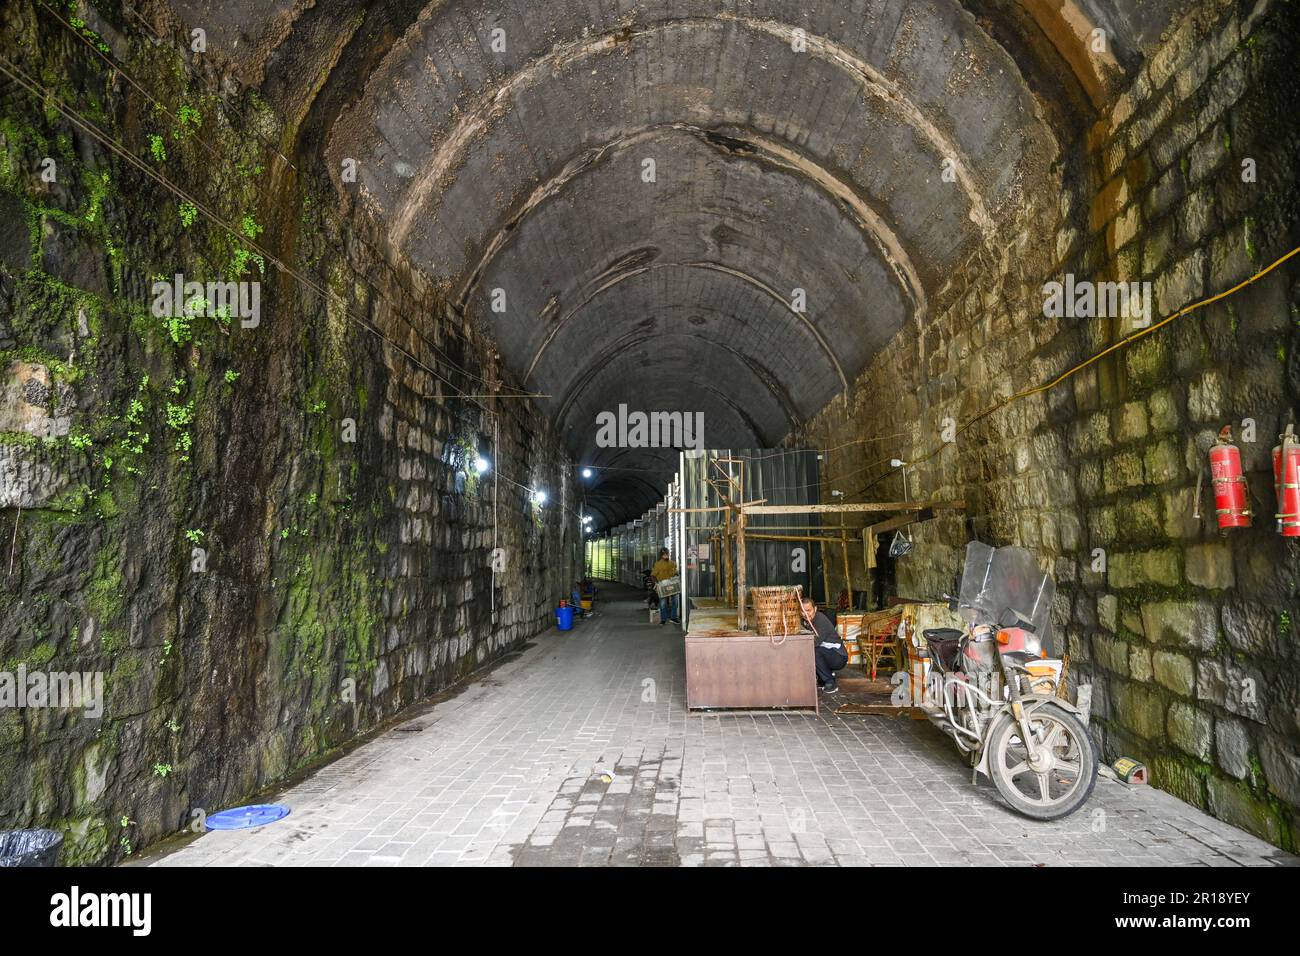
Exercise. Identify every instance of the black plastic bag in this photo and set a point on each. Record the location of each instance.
(30, 847)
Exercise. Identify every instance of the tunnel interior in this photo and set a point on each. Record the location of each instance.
(476, 227)
(766, 193)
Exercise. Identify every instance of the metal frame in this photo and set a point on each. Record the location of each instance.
(738, 525)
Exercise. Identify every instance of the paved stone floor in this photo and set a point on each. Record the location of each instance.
(580, 751)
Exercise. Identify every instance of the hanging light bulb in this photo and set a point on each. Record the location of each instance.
(586, 472)
(539, 497)
(481, 465)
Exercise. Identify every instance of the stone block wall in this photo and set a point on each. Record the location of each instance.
(1187, 636)
(321, 462)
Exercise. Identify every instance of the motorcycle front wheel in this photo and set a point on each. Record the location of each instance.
(1060, 780)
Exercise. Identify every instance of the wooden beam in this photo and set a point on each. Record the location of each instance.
(852, 507)
(899, 521)
(723, 508)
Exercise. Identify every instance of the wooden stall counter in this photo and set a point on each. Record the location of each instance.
(727, 668)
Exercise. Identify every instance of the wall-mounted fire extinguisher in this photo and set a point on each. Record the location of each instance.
(1286, 482)
(1229, 485)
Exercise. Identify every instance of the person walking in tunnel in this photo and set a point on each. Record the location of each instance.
(829, 653)
(664, 569)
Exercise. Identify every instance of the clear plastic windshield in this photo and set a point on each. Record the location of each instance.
(996, 581)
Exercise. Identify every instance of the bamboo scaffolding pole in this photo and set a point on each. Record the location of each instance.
(741, 567)
(844, 553)
(826, 578)
(727, 567)
(740, 570)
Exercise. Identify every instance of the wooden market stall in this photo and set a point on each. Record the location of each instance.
(729, 664)
(727, 667)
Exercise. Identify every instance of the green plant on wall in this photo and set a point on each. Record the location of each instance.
(466, 455)
(157, 148)
(240, 261)
(80, 26)
(179, 418)
(242, 256)
(125, 841)
(136, 438)
(179, 327)
(188, 121)
(97, 184)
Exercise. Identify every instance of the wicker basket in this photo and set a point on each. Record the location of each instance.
(776, 610)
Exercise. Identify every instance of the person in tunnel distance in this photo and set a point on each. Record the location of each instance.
(664, 569)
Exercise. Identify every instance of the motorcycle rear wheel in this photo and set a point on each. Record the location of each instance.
(1064, 784)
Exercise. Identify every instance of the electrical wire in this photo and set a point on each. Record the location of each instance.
(147, 95)
(376, 291)
(776, 453)
(24, 80)
(1114, 347)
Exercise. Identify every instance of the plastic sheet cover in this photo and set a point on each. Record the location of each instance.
(997, 580)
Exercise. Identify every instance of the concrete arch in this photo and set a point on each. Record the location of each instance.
(562, 323)
(749, 142)
(875, 84)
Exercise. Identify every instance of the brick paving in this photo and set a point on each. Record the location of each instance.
(581, 752)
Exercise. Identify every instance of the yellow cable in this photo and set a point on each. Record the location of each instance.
(1122, 343)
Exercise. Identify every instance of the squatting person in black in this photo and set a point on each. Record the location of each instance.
(829, 651)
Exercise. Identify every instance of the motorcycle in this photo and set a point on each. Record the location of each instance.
(992, 689)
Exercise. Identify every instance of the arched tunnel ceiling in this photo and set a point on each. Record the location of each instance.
(798, 152)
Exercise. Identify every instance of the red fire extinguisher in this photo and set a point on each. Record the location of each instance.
(1229, 485)
(1286, 482)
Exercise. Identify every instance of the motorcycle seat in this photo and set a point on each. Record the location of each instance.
(945, 645)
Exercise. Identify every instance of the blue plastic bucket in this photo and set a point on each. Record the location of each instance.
(564, 618)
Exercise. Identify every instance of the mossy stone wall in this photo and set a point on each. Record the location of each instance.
(320, 462)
